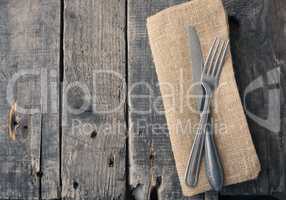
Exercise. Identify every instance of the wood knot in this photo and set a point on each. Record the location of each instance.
(39, 174)
(75, 185)
(93, 134)
(111, 161)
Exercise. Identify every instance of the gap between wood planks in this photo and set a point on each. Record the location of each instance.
(61, 78)
(128, 194)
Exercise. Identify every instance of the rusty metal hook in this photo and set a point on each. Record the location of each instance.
(12, 122)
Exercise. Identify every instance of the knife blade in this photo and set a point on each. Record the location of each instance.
(197, 65)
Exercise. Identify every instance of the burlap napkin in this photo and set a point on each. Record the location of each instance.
(167, 32)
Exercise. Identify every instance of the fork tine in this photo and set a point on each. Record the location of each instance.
(217, 58)
(206, 66)
(214, 54)
(222, 58)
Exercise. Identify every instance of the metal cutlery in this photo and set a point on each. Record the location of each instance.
(209, 80)
(192, 172)
(211, 75)
(213, 166)
(197, 65)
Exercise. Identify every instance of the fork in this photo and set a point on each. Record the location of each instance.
(209, 80)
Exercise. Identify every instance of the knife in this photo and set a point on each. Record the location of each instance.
(213, 165)
(193, 169)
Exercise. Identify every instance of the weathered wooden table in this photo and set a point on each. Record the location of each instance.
(77, 68)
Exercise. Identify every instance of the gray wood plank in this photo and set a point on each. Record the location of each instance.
(152, 168)
(94, 125)
(256, 40)
(29, 41)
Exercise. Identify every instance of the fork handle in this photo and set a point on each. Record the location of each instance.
(193, 169)
(214, 169)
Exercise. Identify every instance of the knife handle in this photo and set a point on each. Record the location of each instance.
(193, 168)
(192, 173)
(214, 169)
